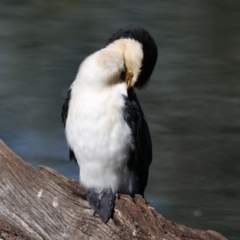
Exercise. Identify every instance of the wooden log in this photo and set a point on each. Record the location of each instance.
(46, 205)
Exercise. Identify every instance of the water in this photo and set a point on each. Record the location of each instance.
(192, 102)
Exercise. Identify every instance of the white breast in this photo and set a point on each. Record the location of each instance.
(100, 138)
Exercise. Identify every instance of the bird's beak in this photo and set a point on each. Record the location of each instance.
(128, 77)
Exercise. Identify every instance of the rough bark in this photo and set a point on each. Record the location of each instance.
(46, 205)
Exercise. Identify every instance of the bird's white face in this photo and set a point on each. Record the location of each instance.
(119, 62)
(132, 55)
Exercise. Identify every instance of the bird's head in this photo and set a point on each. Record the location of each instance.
(139, 54)
(130, 56)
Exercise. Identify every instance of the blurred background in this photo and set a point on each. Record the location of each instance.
(192, 102)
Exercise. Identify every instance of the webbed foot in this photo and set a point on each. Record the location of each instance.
(102, 203)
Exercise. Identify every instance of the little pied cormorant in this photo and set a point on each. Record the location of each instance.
(105, 127)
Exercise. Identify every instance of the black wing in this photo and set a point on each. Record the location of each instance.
(141, 153)
(64, 119)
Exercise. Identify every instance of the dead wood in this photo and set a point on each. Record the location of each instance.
(46, 205)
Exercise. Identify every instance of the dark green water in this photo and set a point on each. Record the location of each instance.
(192, 102)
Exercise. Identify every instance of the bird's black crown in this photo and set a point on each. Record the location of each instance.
(149, 47)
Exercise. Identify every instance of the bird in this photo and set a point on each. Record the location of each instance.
(105, 127)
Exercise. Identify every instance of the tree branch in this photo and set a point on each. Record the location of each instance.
(46, 205)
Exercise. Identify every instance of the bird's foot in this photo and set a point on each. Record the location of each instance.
(102, 203)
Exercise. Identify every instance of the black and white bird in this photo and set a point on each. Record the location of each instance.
(105, 127)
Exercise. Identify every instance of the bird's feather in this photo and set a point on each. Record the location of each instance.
(141, 152)
(64, 119)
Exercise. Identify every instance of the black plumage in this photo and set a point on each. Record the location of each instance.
(141, 152)
(64, 119)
